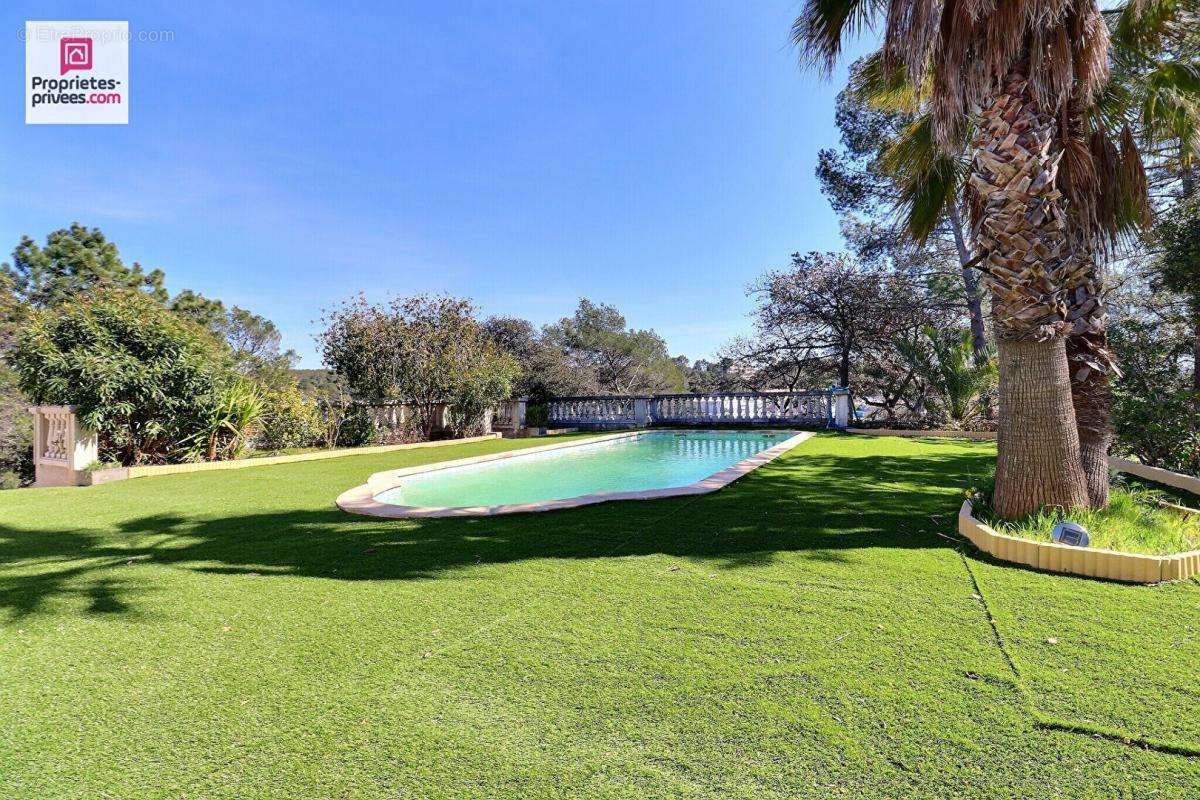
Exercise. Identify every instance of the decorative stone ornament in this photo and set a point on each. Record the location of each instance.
(63, 448)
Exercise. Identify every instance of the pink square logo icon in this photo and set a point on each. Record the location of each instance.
(75, 53)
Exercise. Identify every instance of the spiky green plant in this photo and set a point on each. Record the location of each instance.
(233, 420)
(946, 361)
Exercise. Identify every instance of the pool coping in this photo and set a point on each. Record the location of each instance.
(361, 499)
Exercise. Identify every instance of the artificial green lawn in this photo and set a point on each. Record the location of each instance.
(806, 632)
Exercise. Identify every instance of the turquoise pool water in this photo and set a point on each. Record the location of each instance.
(657, 460)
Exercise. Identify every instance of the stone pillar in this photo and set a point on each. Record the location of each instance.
(841, 408)
(641, 412)
(63, 448)
(518, 412)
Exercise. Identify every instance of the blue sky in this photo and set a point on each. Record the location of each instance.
(285, 156)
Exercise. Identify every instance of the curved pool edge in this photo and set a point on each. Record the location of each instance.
(361, 499)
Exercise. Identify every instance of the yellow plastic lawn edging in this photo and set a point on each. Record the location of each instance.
(1188, 483)
(243, 463)
(1086, 561)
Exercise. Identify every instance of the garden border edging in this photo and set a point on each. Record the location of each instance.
(1177, 480)
(1084, 561)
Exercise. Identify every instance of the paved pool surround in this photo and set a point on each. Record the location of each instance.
(361, 499)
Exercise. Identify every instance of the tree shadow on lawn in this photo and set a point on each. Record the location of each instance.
(822, 504)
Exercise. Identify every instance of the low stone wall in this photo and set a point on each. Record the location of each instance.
(122, 473)
(975, 435)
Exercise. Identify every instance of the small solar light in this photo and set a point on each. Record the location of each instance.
(1072, 533)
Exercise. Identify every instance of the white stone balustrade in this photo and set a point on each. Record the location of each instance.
(63, 448)
(601, 411)
(826, 408)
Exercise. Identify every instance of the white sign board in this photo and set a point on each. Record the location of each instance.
(76, 73)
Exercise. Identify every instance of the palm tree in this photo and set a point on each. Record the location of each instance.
(1098, 170)
(1155, 89)
(946, 362)
(1020, 64)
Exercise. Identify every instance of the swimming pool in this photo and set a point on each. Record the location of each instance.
(637, 465)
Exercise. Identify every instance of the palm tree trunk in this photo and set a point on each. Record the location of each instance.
(1029, 264)
(1037, 465)
(1092, 367)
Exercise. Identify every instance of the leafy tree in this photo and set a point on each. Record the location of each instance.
(317, 382)
(545, 369)
(421, 351)
(363, 344)
(10, 312)
(73, 261)
(720, 375)
(78, 260)
(831, 307)
(16, 426)
(146, 379)
(206, 312)
(862, 178)
(479, 385)
(1155, 403)
(16, 434)
(615, 359)
(253, 340)
(1178, 233)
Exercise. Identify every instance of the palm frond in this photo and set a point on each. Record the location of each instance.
(822, 26)
(1170, 106)
(884, 86)
(1142, 25)
(929, 180)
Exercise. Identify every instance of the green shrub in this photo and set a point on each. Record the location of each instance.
(358, 428)
(422, 351)
(233, 420)
(1162, 430)
(1156, 412)
(478, 385)
(147, 380)
(16, 435)
(291, 419)
(537, 415)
